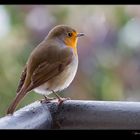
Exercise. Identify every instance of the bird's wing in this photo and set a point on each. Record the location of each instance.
(22, 79)
(46, 71)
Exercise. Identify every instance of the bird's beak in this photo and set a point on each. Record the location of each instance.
(80, 34)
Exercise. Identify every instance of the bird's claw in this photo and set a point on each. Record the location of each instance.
(61, 100)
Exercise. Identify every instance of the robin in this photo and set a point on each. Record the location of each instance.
(51, 66)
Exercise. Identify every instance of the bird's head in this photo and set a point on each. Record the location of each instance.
(66, 34)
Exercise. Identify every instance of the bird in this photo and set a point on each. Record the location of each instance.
(51, 66)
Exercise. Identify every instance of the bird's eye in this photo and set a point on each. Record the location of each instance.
(69, 34)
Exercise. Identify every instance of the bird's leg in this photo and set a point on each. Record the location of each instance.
(60, 99)
(47, 99)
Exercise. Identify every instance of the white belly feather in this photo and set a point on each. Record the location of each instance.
(61, 81)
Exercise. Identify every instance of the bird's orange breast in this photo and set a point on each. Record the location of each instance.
(72, 42)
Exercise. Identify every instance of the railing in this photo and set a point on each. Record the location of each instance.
(75, 114)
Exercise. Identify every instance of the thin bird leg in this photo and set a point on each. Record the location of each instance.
(46, 99)
(60, 99)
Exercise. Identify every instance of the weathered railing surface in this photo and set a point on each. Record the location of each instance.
(75, 114)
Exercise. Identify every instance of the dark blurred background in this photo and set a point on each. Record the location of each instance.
(109, 54)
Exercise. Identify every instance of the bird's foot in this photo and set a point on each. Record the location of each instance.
(61, 100)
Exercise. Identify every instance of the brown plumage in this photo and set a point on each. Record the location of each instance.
(50, 66)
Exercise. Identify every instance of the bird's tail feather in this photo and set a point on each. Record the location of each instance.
(16, 101)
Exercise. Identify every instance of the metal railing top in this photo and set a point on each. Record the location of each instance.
(75, 114)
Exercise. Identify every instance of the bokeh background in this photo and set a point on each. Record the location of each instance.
(109, 54)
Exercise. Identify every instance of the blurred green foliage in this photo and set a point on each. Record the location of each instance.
(109, 66)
